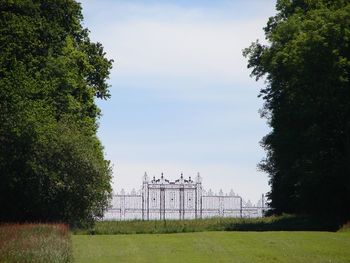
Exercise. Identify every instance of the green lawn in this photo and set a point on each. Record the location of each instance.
(214, 247)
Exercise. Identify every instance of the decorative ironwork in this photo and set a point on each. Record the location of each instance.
(162, 199)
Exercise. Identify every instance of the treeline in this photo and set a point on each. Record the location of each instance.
(52, 166)
(306, 65)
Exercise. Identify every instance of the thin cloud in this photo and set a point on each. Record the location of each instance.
(177, 42)
(182, 99)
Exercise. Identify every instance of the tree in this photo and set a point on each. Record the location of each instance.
(306, 65)
(52, 166)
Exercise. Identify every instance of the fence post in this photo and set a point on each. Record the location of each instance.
(162, 203)
(241, 207)
(182, 202)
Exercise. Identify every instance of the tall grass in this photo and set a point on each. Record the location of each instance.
(273, 223)
(345, 227)
(38, 243)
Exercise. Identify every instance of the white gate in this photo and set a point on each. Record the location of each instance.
(161, 199)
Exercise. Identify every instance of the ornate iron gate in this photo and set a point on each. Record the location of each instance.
(171, 200)
(161, 199)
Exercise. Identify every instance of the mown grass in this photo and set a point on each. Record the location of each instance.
(243, 247)
(285, 222)
(35, 243)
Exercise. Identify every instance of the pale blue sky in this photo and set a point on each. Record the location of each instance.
(182, 99)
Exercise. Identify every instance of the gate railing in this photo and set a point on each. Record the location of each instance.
(181, 199)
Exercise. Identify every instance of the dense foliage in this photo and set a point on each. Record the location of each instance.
(306, 64)
(52, 166)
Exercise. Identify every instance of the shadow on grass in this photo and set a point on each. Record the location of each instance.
(286, 223)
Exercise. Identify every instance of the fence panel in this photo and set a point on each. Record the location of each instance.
(182, 199)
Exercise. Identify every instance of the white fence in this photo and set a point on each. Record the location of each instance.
(161, 199)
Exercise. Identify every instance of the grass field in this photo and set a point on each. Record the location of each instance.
(201, 247)
(35, 243)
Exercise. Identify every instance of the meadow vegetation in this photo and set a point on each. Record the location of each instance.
(35, 243)
(224, 239)
(273, 223)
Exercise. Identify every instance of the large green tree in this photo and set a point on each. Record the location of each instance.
(52, 166)
(306, 68)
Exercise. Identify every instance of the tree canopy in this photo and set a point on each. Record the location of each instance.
(306, 66)
(52, 166)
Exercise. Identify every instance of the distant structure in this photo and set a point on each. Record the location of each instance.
(161, 199)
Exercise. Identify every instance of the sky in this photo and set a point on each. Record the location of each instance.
(182, 98)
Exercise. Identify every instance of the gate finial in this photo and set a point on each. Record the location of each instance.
(145, 178)
(198, 178)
